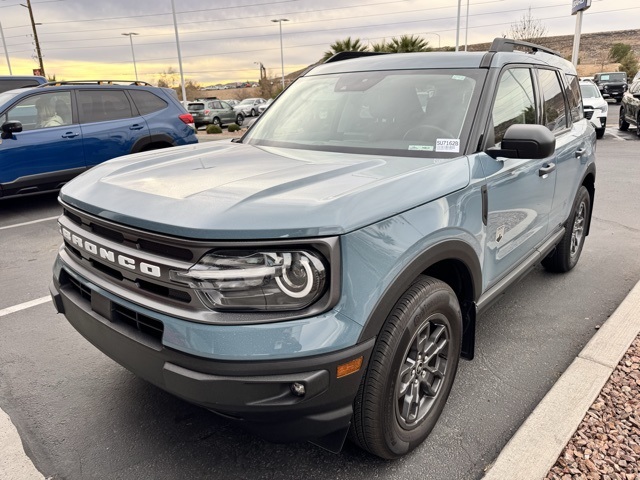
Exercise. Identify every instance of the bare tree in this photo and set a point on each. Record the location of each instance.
(527, 28)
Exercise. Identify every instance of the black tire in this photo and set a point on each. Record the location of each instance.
(567, 253)
(599, 132)
(253, 112)
(239, 120)
(402, 395)
(638, 125)
(216, 121)
(618, 100)
(622, 123)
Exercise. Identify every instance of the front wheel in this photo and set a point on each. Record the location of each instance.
(622, 123)
(567, 253)
(411, 371)
(638, 125)
(253, 112)
(599, 132)
(239, 120)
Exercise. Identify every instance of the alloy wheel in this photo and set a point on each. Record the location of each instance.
(422, 373)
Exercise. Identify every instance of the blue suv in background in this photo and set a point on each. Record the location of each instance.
(55, 131)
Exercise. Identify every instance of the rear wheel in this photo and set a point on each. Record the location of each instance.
(638, 125)
(411, 371)
(239, 119)
(216, 121)
(622, 123)
(567, 252)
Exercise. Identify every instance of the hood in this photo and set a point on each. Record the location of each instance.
(220, 190)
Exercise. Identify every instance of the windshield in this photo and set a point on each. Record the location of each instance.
(6, 97)
(613, 77)
(589, 91)
(406, 113)
(247, 101)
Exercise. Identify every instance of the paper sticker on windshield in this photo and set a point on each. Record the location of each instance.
(424, 148)
(458, 77)
(448, 145)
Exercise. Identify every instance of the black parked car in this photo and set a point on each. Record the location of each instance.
(630, 108)
(611, 84)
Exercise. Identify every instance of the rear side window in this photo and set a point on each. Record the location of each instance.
(10, 84)
(515, 101)
(196, 107)
(575, 98)
(554, 107)
(147, 102)
(103, 105)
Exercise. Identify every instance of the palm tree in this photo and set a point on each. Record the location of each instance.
(408, 43)
(383, 46)
(346, 45)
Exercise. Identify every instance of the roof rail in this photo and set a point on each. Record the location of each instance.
(507, 45)
(349, 55)
(95, 82)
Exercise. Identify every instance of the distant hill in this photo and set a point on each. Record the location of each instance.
(594, 48)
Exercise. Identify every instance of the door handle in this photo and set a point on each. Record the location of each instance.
(546, 170)
(136, 126)
(70, 135)
(580, 152)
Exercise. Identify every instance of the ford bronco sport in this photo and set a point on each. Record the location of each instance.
(322, 276)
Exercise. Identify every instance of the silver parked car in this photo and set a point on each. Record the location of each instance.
(249, 106)
(216, 112)
(595, 107)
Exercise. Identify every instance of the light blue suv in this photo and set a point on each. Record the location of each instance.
(323, 275)
(55, 131)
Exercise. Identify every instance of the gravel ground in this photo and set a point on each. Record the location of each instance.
(606, 444)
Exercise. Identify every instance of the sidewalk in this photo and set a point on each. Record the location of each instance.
(536, 446)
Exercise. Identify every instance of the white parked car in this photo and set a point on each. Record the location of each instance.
(249, 106)
(595, 107)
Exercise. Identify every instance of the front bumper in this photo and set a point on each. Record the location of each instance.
(258, 393)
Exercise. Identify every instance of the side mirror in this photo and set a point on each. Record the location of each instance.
(11, 127)
(525, 141)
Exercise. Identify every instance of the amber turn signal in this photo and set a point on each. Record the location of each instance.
(348, 368)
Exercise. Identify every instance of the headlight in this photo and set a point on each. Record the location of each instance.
(265, 281)
(602, 108)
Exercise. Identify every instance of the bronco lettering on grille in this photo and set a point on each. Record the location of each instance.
(110, 255)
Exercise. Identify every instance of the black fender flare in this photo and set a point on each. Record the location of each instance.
(445, 250)
(141, 143)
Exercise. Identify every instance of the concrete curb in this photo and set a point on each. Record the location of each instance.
(14, 463)
(535, 447)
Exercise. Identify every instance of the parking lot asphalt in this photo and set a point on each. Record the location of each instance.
(79, 415)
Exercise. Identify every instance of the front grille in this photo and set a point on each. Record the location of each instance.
(142, 323)
(83, 290)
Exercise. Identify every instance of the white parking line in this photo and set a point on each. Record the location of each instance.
(614, 135)
(25, 305)
(29, 223)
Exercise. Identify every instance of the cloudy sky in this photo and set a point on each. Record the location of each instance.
(221, 40)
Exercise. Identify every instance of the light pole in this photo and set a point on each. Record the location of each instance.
(130, 35)
(279, 21)
(35, 36)
(466, 28)
(5, 49)
(175, 26)
(458, 26)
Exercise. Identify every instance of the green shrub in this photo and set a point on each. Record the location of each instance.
(214, 129)
(233, 127)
